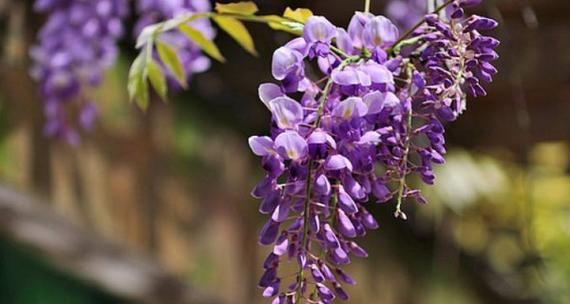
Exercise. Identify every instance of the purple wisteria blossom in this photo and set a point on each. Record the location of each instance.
(153, 11)
(406, 13)
(75, 46)
(351, 136)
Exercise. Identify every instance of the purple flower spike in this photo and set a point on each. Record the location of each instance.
(336, 146)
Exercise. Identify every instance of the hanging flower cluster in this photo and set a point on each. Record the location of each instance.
(354, 134)
(79, 42)
(406, 13)
(76, 45)
(191, 56)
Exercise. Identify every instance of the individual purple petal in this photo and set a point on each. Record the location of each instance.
(281, 245)
(321, 137)
(344, 42)
(357, 250)
(272, 261)
(322, 185)
(340, 293)
(391, 100)
(282, 211)
(351, 76)
(345, 277)
(380, 32)
(378, 73)
(350, 108)
(264, 187)
(368, 220)
(327, 273)
(269, 233)
(356, 28)
(381, 191)
(337, 162)
(272, 290)
(270, 202)
(261, 145)
(316, 273)
(370, 138)
(268, 92)
(291, 145)
(285, 61)
(281, 299)
(324, 292)
(345, 226)
(346, 202)
(287, 112)
(374, 101)
(318, 29)
(339, 256)
(268, 277)
(330, 237)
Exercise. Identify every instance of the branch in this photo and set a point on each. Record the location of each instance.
(86, 256)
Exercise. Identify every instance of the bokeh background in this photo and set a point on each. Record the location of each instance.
(171, 186)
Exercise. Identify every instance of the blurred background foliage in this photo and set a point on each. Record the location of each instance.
(173, 183)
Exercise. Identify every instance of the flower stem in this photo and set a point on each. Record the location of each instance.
(367, 6)
(407, 143)
(310, 165)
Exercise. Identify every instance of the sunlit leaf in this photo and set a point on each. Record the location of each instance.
(137, 85)
(299, 14)
(282, 24)
(168, 56)
(239, 8)
(238, 31)
(145, 34)
(204, 43)
(157, 79)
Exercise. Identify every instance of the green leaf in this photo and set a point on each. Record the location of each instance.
(169, 57)
(206, 45)
(282, 24)
(146, 34)
(157, 79)
(299, 15)
(239, 8)
(238, 31)
(137, 85)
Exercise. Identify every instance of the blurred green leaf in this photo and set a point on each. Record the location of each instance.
(157, 79)
(204, 43)
(168, 55)
(299, 14)
(282, 24)
(239, 8)
(238, 31)
(137, 85)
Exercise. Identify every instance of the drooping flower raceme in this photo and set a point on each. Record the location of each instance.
(406, 13)
(351, 137)
(76, 45)
(153, 11)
